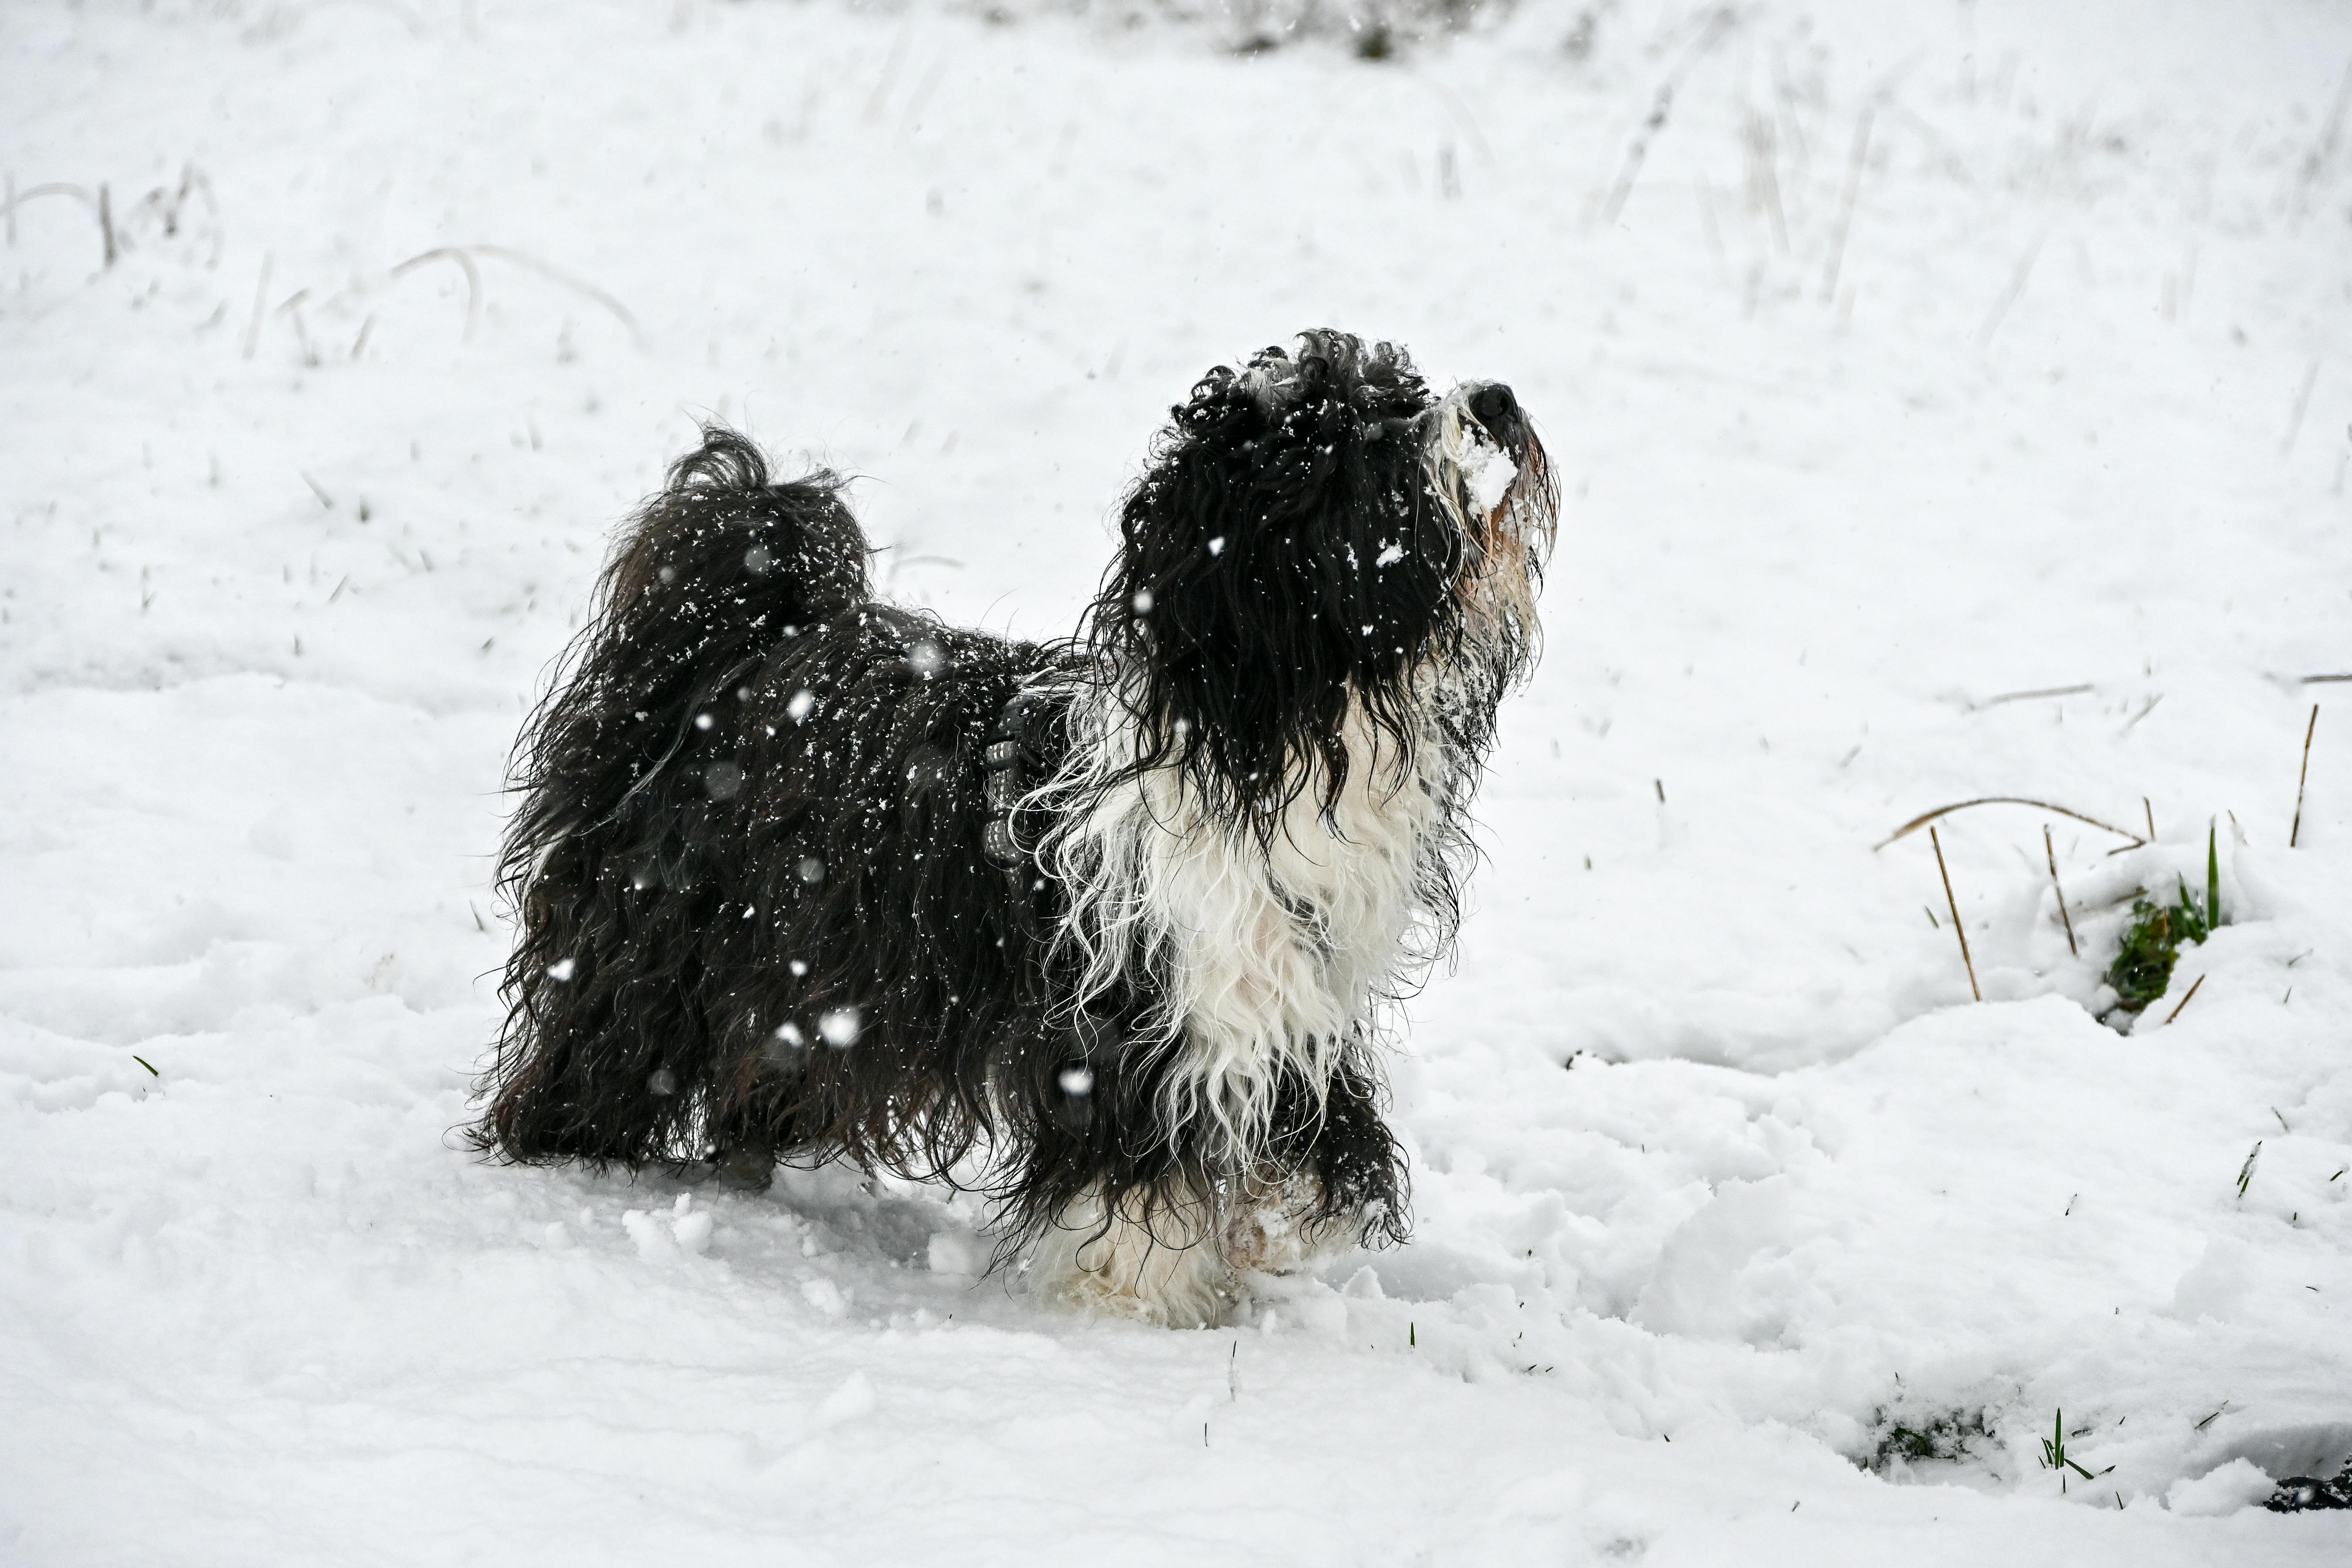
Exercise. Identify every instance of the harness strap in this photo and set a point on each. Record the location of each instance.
(1014, 762)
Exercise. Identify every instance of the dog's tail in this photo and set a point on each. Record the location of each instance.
(624, 787)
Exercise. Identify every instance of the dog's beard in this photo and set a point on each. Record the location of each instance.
(1504, 505)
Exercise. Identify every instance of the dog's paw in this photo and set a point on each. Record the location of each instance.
(1172, 1272)
(1101, 1295)
(1273, 1230)
(745, 1169)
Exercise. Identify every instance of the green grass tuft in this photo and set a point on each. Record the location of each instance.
(2143, 966)
(2056, 1458)
(1944, 1437)
(2212, 882)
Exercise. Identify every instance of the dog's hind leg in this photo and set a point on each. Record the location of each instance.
(622, 861)
(606, 1044)
(748, 1135)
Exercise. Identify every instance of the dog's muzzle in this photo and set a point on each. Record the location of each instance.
(1493, 407)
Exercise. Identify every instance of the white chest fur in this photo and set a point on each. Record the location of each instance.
(1266, 956)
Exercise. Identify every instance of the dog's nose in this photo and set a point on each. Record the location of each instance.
(1494, 407)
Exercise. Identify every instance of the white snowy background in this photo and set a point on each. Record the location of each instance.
(1898, 359)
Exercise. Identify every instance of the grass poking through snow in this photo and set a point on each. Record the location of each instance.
(2151, 946)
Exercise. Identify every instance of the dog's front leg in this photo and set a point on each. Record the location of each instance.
(1156, 1254)
(1333, 1178)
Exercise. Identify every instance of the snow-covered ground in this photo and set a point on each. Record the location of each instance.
(1899, 360)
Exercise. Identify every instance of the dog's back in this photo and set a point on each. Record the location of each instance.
(708, 895)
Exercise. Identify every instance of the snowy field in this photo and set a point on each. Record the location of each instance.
(1897, 360)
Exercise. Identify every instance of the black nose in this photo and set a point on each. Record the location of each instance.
(1494, 407)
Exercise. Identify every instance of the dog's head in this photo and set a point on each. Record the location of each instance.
(1319, 538)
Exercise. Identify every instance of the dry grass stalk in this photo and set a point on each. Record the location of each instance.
(2185, 1000)
(2010, 297)
(2030, 696)
(2295, 421)
(2145, 708)
(1636, 151)
(2314, 162)
(463, 257)
(260, 297)
(1662, 106)
(97, 204)
(1926, 817)
(1954, 905)
(1707, 216)
(2050, 850)
(2299, 778)
(1846, 206)
(1763, 147)
(465, 263)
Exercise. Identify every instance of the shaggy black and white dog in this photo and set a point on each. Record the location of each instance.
(1107, 927)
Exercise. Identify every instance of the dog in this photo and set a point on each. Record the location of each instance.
(1111, 928)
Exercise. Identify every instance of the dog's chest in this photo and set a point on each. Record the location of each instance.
(1295, 937)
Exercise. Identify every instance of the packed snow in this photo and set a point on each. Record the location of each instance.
(1950, 401)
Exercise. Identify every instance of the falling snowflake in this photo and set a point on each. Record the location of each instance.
(840, 1028)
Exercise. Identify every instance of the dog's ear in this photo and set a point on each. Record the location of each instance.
(1281, 556)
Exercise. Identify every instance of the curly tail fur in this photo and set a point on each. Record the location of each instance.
(604, 1056)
